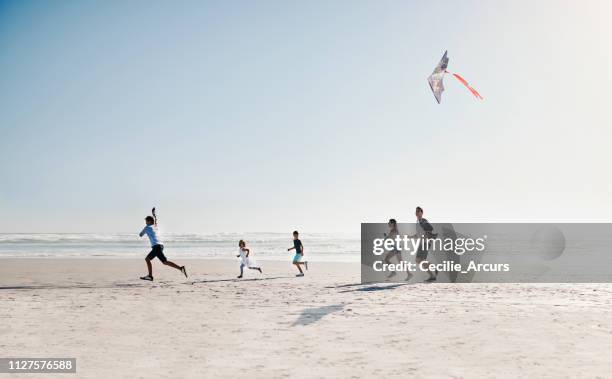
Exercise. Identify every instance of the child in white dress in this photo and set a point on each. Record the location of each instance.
(246, 260)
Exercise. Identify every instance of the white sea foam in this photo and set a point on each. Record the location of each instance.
(318, 246)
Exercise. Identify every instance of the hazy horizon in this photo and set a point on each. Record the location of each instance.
(273, 116)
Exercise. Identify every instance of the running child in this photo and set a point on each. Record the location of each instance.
(246, 260)
(157, 247)
(393, 233)
(299, 253)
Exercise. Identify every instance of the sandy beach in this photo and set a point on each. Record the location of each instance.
(325, 324)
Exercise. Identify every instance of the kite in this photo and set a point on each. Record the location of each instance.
(435, 79)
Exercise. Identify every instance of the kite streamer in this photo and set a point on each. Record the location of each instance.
(436, 84)
(465, 83)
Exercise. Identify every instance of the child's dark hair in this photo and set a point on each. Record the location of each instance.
(392, 221)
(241, 242)
(419, 209)
(150, 219)
(295, 233)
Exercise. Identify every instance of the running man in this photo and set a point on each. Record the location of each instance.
(157, 247)
(424, 230)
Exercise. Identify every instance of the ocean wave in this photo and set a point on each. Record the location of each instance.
(168, 237)
(321, 246)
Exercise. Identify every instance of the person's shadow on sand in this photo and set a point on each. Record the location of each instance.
(235, 280)
(369, 288)
(312, 315)
(378, 287)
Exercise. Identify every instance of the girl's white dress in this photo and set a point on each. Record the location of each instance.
(247, 261)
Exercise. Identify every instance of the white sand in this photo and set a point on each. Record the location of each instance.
(322, 325)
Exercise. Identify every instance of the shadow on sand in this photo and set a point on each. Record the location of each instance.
(139, 284)
(71, 286)
(240, 280)
(312, 315)
(369, 286)
(378, 287)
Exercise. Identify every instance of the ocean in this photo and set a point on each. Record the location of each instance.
(264, 246)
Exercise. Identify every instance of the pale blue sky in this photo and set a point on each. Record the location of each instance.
(276, 115)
